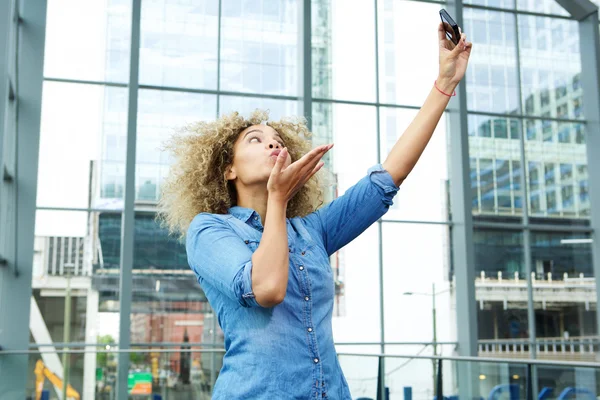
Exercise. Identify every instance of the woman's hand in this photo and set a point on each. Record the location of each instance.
(283, 183)
(453, 60)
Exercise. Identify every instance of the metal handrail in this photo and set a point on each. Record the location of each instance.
(379, 355)
(490, 360)
(208, 344)
(77, 351)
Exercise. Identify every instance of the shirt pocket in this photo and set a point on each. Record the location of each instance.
(252, 243)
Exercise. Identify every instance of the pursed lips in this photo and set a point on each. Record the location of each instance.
(275, 153)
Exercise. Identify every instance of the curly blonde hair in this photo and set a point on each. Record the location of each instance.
(202, 151)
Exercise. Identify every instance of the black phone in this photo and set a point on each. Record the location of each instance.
(452, 31)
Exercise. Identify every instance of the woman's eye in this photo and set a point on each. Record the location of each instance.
(254, 138)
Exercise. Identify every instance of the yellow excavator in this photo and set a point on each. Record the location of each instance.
(41, 373)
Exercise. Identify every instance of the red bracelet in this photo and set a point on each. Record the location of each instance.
(442, 92)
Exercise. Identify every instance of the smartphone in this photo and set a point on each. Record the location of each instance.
(452, 31)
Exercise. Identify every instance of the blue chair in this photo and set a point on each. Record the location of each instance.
(571, 391)
(545, 393)
(511, 388)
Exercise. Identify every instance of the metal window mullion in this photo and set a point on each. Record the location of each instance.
(462, 231)
(219, 20)
(5, 36)
(590, 71)
(128, 217)
(523, 116)
(15, 282)
(306, 60)
(380, 395)
(525, 194)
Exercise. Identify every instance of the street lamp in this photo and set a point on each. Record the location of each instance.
(433, 315)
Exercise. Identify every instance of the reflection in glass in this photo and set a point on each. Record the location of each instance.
(66, 253)
(499, 264)
(509, 4)
(160, 114)
(259, 47)
(492, 75)
(563, 272)
(556, 169)
(336, 61)
(541, 6)
(549, 90)
(495, 165)
(178, 44)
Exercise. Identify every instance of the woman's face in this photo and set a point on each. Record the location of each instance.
(254, 155)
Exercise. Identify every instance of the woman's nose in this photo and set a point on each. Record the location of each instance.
(274, 145)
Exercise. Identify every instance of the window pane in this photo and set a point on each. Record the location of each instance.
(82, 146)
(495, 166)
(178, 44)
(259, 47)
(541, 6)
(565, 287)
(550, 90)
(336, 26)
(557, 171)
(168, 305)
(499, 266)
(356, 301)
(422, 249)
(99, 51)
(492, 78)
(245, 105)
(408, 81)
(425, 192)
(510, 4)
(160, 113)
(71, 243)
(331, 125)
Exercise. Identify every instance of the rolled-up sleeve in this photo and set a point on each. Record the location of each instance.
(346, 217)
(220, 257)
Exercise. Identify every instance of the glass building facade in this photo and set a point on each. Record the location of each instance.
(370, 67)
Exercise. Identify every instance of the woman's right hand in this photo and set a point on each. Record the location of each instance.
(284, 183)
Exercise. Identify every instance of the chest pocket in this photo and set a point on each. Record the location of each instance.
(252, 243)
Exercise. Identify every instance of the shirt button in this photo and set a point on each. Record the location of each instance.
(256, 218)
(310, 329)
(307, 298)
(303, 253)
(301, 268)
(316, 360)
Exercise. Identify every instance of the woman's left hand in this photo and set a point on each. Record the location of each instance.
(453, 60)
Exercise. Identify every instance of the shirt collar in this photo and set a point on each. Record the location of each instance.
(242, 213)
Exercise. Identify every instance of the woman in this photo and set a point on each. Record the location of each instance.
(243, 194)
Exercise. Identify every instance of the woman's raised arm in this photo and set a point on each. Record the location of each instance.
(409, 147)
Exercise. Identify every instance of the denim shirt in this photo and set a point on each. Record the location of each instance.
(286, 351)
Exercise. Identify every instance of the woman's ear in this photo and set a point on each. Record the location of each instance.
(230, 173)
